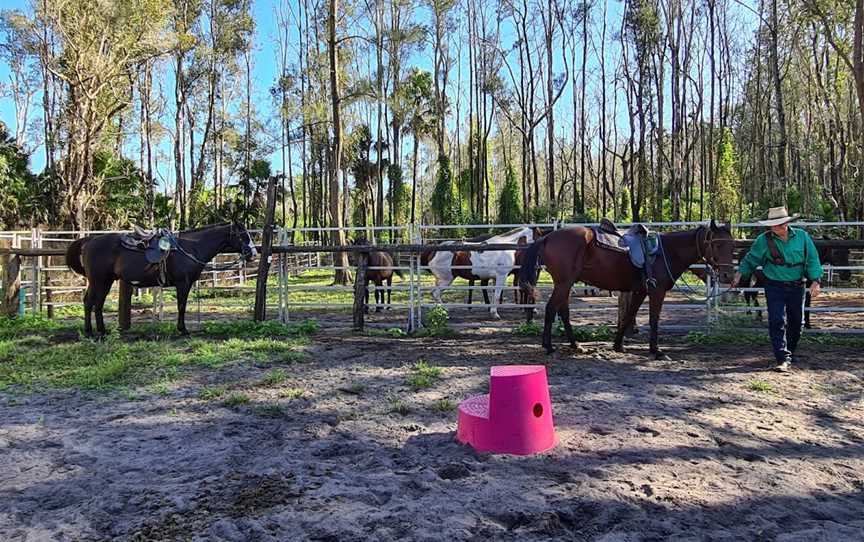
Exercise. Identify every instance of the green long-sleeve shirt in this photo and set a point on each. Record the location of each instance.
(792, 251)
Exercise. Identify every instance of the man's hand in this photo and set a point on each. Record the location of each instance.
(735, 280)
(815, 289)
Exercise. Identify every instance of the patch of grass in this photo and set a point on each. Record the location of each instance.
(269, 410)
(160, 388)
(236, 399)
(35, 361)
(436, 322)
(585, 333)
(719, 337)
(761, 386)
(211, 392)
(528, 329)
(423, 375)
(29, 324)
(218, 353)
(250, 328)
(444, 405)
(397, 406)
(274, 377)
(292, 393)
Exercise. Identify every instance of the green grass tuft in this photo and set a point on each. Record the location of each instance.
(250, 328)
(274, 377)
(236, 399)
(423, 375)
(211, 392)
(292, 393)
(528, 329)
(761, 386)
(444, 405)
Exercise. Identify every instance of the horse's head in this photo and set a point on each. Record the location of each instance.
(240, 240)
(716, 246)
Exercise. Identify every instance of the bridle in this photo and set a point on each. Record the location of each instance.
(706, 250)
(707, 255)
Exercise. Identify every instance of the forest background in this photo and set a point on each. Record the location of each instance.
(372, 112)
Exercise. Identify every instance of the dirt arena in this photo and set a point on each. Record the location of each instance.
(708, 445)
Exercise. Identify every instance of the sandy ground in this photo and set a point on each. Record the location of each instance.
(649, 450)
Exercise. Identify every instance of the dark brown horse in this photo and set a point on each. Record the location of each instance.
(572, 254)
(104, 259)
(380, 271)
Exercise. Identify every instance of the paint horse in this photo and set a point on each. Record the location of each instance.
(483, 265)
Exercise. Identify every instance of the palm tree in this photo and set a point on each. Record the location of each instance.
(420, 105)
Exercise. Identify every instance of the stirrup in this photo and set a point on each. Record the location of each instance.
(651, 283)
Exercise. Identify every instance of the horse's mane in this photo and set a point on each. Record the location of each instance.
(207, 227)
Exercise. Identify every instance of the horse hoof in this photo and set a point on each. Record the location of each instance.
(378, 309)
(549, 349)
(183, 332)
(495, 315)
(578, 348)
(660, 356)
(618, 348)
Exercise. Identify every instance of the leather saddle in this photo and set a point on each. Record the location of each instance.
(637, 241)
(156, 244)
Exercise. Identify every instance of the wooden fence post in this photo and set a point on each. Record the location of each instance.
(360, 291)
(10, 275)
(266, 244)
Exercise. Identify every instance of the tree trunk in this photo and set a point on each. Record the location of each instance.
(341, 276)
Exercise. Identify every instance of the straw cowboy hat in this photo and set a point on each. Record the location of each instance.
(777, 216)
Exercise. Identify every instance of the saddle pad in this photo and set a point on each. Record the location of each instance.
(609, 241)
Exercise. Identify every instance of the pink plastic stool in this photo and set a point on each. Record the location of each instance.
(514, 418)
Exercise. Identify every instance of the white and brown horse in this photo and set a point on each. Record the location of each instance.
(479, 265)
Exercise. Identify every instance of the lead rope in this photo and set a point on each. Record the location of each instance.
(708, 268)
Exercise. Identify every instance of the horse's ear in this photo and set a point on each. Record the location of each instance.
(713, 224)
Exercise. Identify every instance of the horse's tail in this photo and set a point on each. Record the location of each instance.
(73, 255)
(529, 270)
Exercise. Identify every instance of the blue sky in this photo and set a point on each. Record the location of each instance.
(265, 69)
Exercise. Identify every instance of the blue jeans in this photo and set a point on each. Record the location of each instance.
(785, 317)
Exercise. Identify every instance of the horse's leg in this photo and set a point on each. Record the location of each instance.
(485, 284)
(379, 291)
(366, 297)
(560, 294)
(656, 305)
(98, 298)
(182, 298)
(470, 290)
(500, 282)
(564, 315)
(389, 291)
(441, 283)
(807, 301)
(88, 309)
(624, 300)
(633, 302)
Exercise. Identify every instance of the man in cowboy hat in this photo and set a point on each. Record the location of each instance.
(788, 257)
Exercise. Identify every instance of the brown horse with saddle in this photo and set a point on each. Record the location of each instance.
(574, 254)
